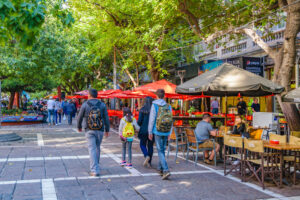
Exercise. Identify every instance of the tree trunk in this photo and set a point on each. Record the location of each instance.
(154, 71)
(11, 100)
(286, 63)
(291, 114)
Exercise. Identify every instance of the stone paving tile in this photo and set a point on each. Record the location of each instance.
(34, 173)
(28, 191)
(6, 191)
(12, 171)
(70, 193)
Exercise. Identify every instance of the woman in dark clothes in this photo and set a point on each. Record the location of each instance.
(145, 144)
(239, 126)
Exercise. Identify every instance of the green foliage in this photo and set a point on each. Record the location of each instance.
(22, 20)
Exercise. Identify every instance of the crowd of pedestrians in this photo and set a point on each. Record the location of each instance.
(58, 110)
(153, 125)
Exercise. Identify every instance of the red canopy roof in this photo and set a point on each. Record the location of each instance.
(162, 84)
(84, 92)
(106, 94)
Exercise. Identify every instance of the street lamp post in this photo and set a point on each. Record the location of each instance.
(181, 74)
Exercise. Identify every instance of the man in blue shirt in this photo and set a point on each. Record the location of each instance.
(203, 131)
(255, 106)
(161, 138)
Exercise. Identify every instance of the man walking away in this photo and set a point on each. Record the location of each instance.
(69, 108)
(57, 111)
(50, 108)
(95, 116)
(160, 124)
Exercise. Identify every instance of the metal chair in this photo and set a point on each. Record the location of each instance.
(261, 163)
(233, 148)
(196, 146)
(293, 159)
(176, 142)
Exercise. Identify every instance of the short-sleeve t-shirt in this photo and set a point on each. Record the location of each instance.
(256, 107)
(202, 130)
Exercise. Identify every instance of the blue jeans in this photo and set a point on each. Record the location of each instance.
(146, 146)
(51, 115)
(57, 117)
(70, 118)
(161, 143)
(215, 111)
(129, 145)
(94, 139)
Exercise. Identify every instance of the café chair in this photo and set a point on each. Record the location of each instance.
(196, 146)
(295, 133)
(260, 163)
(176, 142)
(233, 149)
(293, 159)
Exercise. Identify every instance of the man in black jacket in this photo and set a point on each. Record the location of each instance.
(94, 137)
(242, 107)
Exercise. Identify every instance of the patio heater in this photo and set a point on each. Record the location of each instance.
(181, 74)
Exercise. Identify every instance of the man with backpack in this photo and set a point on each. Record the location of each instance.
(96, 121)
(160, 124)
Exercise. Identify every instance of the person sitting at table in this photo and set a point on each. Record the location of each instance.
(202, 132)
(239, 126)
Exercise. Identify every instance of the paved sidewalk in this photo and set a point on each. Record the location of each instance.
(52, 163)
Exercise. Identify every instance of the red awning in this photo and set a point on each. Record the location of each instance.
(106, 94)
(162, 84)
(83, 93)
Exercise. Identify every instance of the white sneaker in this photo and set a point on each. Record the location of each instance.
(236, 162)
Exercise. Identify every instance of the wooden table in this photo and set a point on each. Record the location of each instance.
(196, 118)
(281, 148)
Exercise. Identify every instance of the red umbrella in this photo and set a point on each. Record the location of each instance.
(140, 93)
(105, 94)
(84, 92)
(162, 84)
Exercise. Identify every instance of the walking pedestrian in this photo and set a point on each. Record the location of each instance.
(146, 145)
(50, 108)
(160, 124)
(69, 109)
(94, 114)
(127, 128)
(57, 111)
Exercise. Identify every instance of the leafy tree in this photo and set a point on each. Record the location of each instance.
(211, 21)
(21, 20)
(137, 30)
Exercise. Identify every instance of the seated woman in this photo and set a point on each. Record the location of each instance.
(239, 126)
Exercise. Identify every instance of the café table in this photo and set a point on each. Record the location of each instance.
(281, 148)
(198, 118)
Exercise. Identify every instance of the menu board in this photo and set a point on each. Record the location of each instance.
(253, 65)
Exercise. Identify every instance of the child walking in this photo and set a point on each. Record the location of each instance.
(127, 128)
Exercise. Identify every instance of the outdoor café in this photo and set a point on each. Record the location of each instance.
(269, 153)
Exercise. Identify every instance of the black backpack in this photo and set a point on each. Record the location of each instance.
(94, 120)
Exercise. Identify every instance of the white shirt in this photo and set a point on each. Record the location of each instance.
(50, 104)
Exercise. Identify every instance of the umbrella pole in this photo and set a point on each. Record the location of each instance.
(225, 110)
